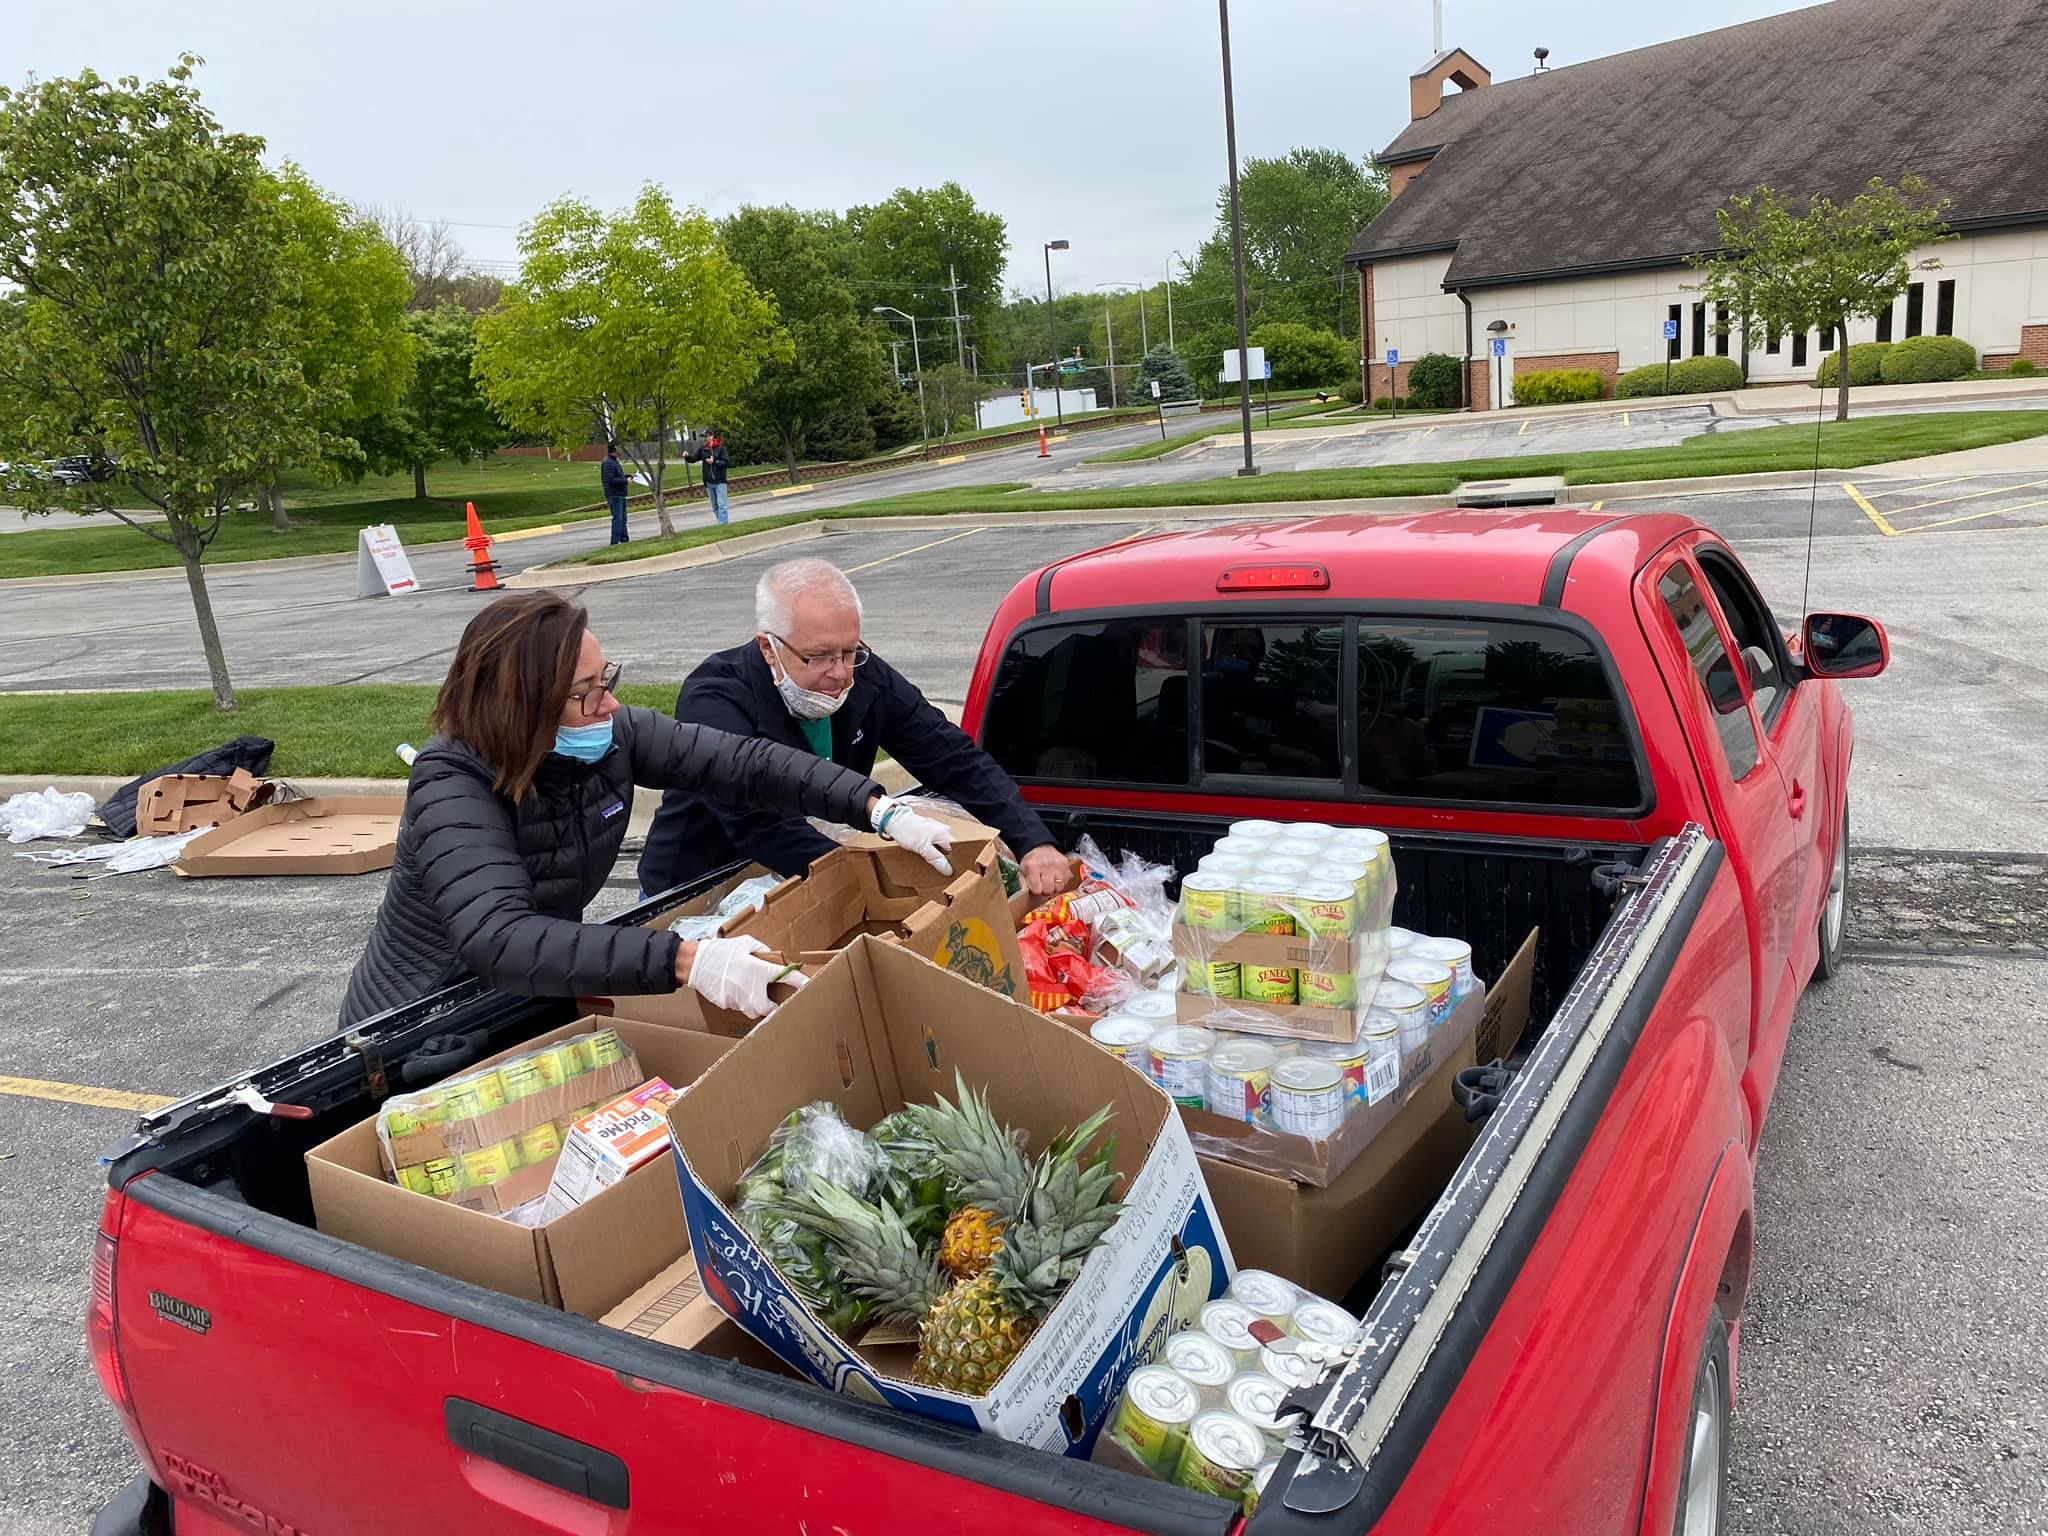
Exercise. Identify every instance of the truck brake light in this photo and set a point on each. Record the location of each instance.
(100, 1338)
(1274, 578)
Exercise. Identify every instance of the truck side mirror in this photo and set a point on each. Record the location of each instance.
(1845, 645)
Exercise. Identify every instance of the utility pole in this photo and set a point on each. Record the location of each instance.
(1144, 336)
(1111, 330)
(1244, 381)
(953, 292)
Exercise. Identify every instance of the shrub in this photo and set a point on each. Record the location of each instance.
(1303, 356)
(1380, 402)
(1176, 381)
(1927, 360)
(1433, 380)
(2021, 366)
(1689, 376)
(1557, 386)
(1353, 391)
(1866, 360)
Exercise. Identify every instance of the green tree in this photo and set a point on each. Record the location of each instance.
(835, 364)
(1170, 369)
(348, 326)
(152, 312)
(1782, 269)
(631, 326)
(444, 414)
(1303, 356)
(906, 245)
(950, 394)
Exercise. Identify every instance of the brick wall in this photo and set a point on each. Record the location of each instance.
(1606, 364)
(1479, 383)
(1398, 176)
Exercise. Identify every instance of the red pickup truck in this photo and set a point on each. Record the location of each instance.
(1584, 723)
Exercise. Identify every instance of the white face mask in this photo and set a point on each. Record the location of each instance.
(804, 703)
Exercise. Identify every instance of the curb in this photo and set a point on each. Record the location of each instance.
(682, 560)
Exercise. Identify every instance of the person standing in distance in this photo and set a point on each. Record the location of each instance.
(806, 680)
(613, 474)
(710, 452)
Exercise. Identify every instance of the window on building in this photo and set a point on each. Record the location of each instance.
(1671, 346)
(1771, 343)
(1915, 293)
(1884, 321)
(1799, 349)
(1269, 699)
(1699, 330)
(1099, 701)
(1827, 340)
(1727, 707)
(1945, 307)
(1490, 711)
(1721, 329)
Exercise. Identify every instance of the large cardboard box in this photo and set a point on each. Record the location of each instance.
(586, 1262)
(327, 835)
(1327, 1237)
(881, 1027)
(961, 921)
(678, 1009)
(672, 1309)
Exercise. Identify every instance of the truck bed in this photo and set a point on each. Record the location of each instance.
(470, 1383)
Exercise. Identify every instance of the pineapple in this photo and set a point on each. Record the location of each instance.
(879, 1257)
(969, 1242)
(986, 1173)
(977, 1327)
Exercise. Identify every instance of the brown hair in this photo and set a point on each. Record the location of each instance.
(510, 678)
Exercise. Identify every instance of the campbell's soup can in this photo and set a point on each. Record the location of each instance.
(1238, 1073)
(1266, 904)
(1124, 1036)
(1222, 1454)
(1201, 1360)
(1408, 1007)
(1267, 983)
(1179, 1055)
(1211, 978)
(1455, 955)
(1153, 1415)
(1347, 1056)
(1429, 977)
(1308, 1097)
(1208, 901)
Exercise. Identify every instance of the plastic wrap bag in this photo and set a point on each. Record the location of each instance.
(50, 813)
(813, 1141)
(747, 896)
(131, 857)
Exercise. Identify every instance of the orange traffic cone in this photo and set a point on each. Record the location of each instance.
(483, 569)
(1043, 451)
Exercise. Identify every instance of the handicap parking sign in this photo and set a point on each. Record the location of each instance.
(1671, 330)
(1500, 346)
(1393, 357)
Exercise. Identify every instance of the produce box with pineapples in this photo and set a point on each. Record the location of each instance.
(921, 1193)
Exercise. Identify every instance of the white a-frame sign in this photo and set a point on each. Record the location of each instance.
(381, 566)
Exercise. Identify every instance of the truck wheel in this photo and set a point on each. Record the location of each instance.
(1834, 912)
(1703, 1482)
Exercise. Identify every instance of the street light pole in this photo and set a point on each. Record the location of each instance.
(1244, 380)
(1169, 300)
(1110, 331)
(1052, 327)
(916, 362)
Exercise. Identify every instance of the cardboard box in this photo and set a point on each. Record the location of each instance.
(869, 886)
(1364, 956)
(587, 1262)
(881, 1027)
(327, 835)
(1328, 1238)
(672, 1309)
(179, 802)
(677, 1009)
(605, 1145)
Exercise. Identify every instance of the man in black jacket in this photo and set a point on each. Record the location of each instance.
(806, 680)
(710, 452)
(613, 474)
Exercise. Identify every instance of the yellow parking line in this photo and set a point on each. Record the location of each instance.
(1971, 517)
(1909, 490)
(935, 543)
(958, 458)
(1432, 429)
(527, 533)
(1877, 517)
(791, 490)
(1624, 418)
(1525, 427)
(1596, 506)
(78, 1093)
(1922, 506)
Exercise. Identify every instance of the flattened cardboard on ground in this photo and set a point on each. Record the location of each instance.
(1327, 1239)
(327, 835)
(173, 803)
(880, 1027)
(587, 1262)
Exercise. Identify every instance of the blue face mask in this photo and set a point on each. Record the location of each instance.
(585, 743)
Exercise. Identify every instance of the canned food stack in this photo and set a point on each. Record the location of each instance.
(1208, 1415)
(463, 1140)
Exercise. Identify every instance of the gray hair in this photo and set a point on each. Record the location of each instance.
(776, 593)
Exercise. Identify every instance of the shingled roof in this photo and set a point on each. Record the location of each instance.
(1620, 162)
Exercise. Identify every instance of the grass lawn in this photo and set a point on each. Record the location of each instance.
(320, 732)
(1230, 426)
(1844, 445)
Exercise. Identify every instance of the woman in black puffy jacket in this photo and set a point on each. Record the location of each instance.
(517, 808)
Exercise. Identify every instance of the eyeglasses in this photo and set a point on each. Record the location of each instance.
(607, 682)
(857, 657)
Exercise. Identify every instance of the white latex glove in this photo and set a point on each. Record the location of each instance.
(730, 973)
(930, 840)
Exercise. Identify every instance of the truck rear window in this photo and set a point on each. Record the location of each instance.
(1483, 711)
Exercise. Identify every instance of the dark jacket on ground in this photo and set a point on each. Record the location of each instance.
(716, 462)
(734, 691)
(483, 887)
(615, 481)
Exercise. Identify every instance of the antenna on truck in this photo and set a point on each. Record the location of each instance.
(1812, 501)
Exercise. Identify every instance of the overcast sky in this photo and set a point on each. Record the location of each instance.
(1096, 121)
